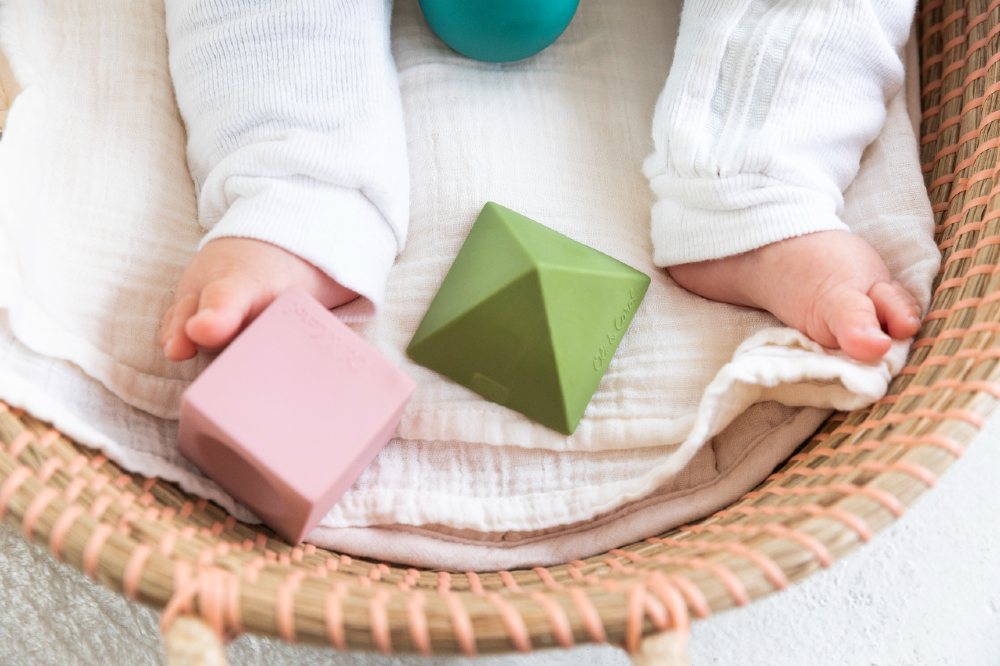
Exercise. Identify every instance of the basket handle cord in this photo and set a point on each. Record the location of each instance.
(664, 603)
(667, 648)
(191, 640)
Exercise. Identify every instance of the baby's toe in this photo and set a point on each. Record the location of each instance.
(175, 342)
(896, 308)
(224, 306)
(852, 320)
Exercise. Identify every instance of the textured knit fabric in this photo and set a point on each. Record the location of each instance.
(295, 132)
(295, 129)
(764, 117)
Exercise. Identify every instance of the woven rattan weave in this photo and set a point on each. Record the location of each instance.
(149, 540)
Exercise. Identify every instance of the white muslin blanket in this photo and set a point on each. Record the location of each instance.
(98, 221)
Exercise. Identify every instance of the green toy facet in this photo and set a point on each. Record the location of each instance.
(528, 318)
(498, 30)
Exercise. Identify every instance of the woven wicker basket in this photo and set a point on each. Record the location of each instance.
(149, 540)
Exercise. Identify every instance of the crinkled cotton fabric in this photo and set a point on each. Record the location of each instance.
(99, 221)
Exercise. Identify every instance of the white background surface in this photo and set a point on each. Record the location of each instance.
(924, 592)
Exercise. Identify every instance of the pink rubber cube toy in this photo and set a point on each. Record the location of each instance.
(291, 413)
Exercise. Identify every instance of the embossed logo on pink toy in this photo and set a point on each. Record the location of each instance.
(328, 336)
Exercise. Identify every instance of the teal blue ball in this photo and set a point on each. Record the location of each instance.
(498, 30)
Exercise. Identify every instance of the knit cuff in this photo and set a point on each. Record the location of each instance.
(698, 219)
(336, 229)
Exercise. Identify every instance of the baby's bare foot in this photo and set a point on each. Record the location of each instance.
(831, 285)
(228, 283)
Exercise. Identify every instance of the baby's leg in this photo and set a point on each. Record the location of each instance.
(831, 285)
(295, 140)
(760, 128)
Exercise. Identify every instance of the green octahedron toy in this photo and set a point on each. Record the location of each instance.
(528, 318)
